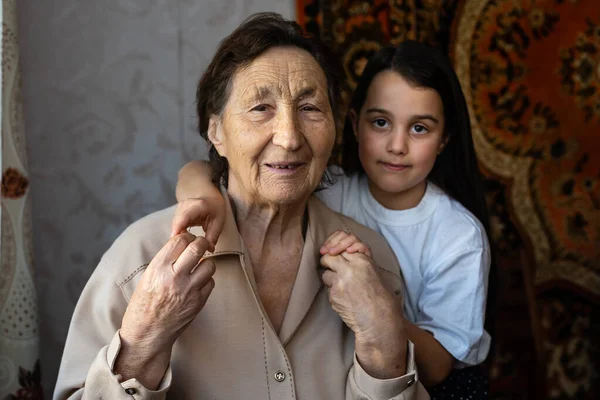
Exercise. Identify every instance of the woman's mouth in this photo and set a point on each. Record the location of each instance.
(284, 168)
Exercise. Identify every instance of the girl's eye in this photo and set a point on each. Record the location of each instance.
(380, 123)
(419, 129)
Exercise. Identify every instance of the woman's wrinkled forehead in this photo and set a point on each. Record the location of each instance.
(286, 73)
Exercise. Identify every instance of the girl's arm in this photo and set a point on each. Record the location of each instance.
(434, 362)
(200, 202)
(194, 181)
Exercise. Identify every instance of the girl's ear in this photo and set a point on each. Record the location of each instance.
(443, 143)
(354, 121)
(215, 134)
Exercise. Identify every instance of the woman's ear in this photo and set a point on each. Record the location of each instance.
(354, 121)
(215, 134)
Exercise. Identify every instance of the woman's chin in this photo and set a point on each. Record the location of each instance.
(285, 194)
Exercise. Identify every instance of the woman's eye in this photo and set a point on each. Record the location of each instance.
(260, 108)
(309, 108)
(380, 123)
(419, 128)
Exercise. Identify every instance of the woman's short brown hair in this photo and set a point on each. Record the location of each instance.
(253, 37)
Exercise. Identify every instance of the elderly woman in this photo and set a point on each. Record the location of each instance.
(255, 316)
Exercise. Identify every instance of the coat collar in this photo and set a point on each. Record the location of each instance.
(322, 222)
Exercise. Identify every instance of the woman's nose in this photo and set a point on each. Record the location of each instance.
(286, 132)
(398, 143)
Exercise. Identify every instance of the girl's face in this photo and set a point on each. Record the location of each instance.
(400, 132)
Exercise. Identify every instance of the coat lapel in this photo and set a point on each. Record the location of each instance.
(308, 281)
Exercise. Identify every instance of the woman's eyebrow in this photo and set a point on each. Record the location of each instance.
(306, 92)
(259, 93)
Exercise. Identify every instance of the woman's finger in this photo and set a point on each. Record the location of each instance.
(190, 257)
(171, 251)
(328, 277)
(203, 273)
(334, 263)
(205, 292)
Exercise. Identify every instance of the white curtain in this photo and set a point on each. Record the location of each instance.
(19, 338)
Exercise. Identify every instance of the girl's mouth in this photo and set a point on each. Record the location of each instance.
(394, 167)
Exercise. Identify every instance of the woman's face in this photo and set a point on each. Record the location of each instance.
(400, 131)
(277, 129)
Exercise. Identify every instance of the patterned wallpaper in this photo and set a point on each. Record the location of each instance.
(108, 90)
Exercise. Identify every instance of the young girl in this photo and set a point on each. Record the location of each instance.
(412, 175)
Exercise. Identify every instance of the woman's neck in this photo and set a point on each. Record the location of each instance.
(272, 224)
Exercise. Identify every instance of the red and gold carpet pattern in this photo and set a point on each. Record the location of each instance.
(530, 70)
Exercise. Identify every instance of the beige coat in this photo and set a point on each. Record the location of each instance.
(231, 351)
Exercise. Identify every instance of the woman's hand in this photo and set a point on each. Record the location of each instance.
(171, 292)
(374, 314)
(207, 212)
(340, 241)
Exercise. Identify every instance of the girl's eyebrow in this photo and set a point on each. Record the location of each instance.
(375, 110)
(425, 116)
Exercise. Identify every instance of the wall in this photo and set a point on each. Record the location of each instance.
(109, 112)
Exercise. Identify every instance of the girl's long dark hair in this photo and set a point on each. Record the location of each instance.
(456, 170)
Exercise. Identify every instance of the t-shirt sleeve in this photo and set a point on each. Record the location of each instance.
(341, 193)
(452, 305)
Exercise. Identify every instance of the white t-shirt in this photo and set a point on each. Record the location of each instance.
(444, 256)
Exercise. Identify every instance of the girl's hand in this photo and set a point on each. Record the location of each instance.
(200, 202)
(207, 212)
(341, 241)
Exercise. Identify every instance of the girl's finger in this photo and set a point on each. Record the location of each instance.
(189, 212)
(213, 228)
(343, 244)
(360, 247)
(179, 224)
(332, 240)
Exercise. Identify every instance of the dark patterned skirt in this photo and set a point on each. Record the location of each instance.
(463, 384)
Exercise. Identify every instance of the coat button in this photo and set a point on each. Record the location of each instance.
(279, 376)
(130, 391)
